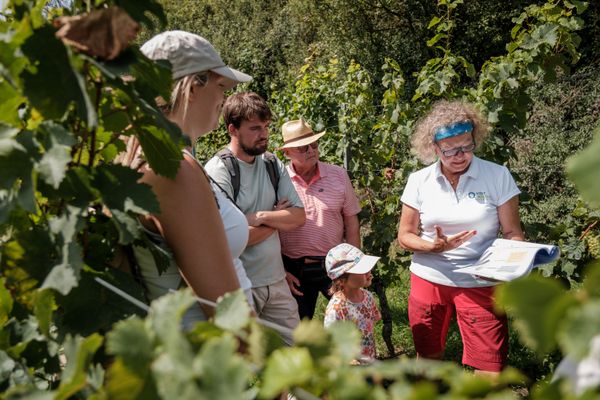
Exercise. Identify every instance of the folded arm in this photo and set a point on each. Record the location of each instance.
(259, 233)
(284, 220)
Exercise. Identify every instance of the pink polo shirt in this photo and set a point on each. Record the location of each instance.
(327, 198)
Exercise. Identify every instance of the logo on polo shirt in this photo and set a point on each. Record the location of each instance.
(478, 196)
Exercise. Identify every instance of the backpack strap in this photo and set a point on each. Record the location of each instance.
(231, 163)
(273, 171)
(233, 168)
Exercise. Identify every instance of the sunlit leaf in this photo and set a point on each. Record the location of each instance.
(123, 384)
(233, 311)
(131, 341)
(6, 302)
(128, 227)
(581, 325)
(285, 368)
(539, 306)
(10, 100)
(62, 278)
(542, 35)
(7, 364)
(53, 165)
(44, 306)
(165, 318)
(583, 169)
(223, 373)
(312, 334)
(79, 353)
(347, 340)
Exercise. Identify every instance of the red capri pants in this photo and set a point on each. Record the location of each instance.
(431, 307)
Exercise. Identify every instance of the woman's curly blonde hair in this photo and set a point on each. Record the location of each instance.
(444, 113)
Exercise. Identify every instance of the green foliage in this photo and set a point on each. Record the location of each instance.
(582, 168)
(65, 205)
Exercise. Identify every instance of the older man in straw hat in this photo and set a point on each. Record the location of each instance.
(331, 208)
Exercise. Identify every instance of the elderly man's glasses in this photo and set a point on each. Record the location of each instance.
(454, 151)
(304, 149)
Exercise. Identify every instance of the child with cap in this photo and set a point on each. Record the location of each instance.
(350, 270)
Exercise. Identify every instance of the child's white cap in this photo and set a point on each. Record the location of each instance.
(345, 258)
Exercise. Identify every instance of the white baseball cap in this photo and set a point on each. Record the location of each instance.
(347, 259)
(189, 53)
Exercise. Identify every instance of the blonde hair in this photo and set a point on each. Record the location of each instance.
(337, 285)
(180, 94)
(444, 113)
(133, 155)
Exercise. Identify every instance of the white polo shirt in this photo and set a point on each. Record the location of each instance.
(474, 205)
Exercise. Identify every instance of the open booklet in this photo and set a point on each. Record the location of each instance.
(506, 260)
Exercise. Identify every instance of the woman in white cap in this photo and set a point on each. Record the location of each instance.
(189, 226)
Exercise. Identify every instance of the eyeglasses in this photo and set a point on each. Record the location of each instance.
(462, 149)
(304, 149)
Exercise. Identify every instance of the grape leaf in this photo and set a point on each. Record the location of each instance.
(223, 373)
(287, 367)
(539, 306)
(161, 152)
(131, 341)
(118, 185)
(6, 302)
(51, 84)
(583, 169)
(580, 326)
(79, 352)
(43, 308)
(233, 312)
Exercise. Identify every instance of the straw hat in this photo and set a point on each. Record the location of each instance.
(298, 133)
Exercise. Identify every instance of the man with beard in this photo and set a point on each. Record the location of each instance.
(270, 204)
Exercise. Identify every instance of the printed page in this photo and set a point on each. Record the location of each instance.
(506, 260)
(521, 244)
(502, 263)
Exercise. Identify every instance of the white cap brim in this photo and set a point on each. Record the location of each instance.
(365, 264)
(232, 74)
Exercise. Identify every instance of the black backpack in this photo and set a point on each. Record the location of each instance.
(231, 163)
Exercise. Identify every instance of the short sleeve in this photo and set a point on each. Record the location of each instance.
(410, 196)
(351, 205)
(333, 312)
(507, 187)
(286, 189)
(217, 170)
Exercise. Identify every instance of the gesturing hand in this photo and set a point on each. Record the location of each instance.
(443, 243)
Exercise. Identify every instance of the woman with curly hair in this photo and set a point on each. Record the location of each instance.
(452, 211)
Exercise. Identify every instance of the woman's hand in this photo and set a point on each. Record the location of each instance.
(443, 243)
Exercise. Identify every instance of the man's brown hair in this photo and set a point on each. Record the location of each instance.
(245, 106)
